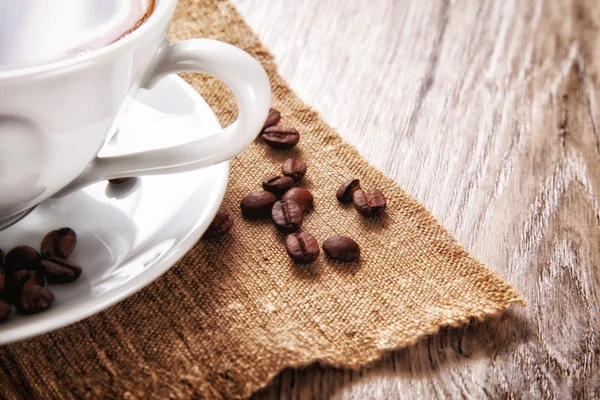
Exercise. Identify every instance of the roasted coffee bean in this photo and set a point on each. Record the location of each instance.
(35, 276)
(341, 248)
(2, 259)
(287, 216)
(302, 247)
(2, 283)
(4, 310)
(15, 281)
(369, 203)
(12, 282)
(258, 204)
(277, 185)
(60, 270)
(280, 137)
(301, 196)
(60, 243)
(22, 258)
(33, 298)
(294, 168)
(17, 278)
(272, 119)
(344, 192)
(219, 226)
(118, 181)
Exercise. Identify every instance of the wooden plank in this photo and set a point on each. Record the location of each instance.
(487, 112)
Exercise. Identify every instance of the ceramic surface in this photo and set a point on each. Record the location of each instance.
(30, 34)
(55, 118)
(132, 233)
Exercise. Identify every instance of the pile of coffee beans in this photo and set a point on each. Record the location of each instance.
(287, 203)
(25, 272)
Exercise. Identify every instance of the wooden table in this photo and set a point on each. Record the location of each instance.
(487, 112)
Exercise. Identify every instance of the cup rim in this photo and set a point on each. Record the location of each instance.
(162, 9)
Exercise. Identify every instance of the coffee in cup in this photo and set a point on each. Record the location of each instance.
(34, 32)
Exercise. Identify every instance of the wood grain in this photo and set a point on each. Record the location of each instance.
(487, 112)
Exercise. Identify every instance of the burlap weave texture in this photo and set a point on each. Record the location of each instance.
(235, 311)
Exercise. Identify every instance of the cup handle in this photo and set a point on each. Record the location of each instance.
(238, 70)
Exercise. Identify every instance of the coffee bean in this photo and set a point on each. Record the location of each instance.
(60, 270)
(33, 297)
(118, 181)
(258, 204)
(219, 226)
(17, 278)
(35, 276)
(302, 247)
(301, 196)
(2, 283)
(59, 243)
(344, 192)
(272, 119)
(14, 282)
(341, 248)
(277, 185)
(369, 203)
(294, 168)
(287, 216)
(280, 137)
(22, 258)
(2, 259)
(4, 310)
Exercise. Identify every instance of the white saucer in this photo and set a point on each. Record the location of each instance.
(130, 234)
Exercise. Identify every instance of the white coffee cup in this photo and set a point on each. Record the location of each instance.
(54, 118)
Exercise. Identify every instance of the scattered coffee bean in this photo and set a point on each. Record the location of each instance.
(60, 270)
(280, 137)
(15, 279)
(369, 203)
(11, 283)
(4, 310)
(294, 168)
(22, 258)
(301, 196)
(118, 181)
(287, 216)
(25, 272)
(219, 226)
(302, 247)
(15, 282)
(60, 243)
(35, 276)
(33, 297)
(341, 248)
(344, 192)
(272, 119)
(258, 204)
(277, 185)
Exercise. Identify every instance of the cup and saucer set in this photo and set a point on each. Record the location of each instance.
(119, 110)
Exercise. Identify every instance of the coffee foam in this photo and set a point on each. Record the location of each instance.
(34, 32)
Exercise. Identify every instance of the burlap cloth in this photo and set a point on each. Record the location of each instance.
(234, 312)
